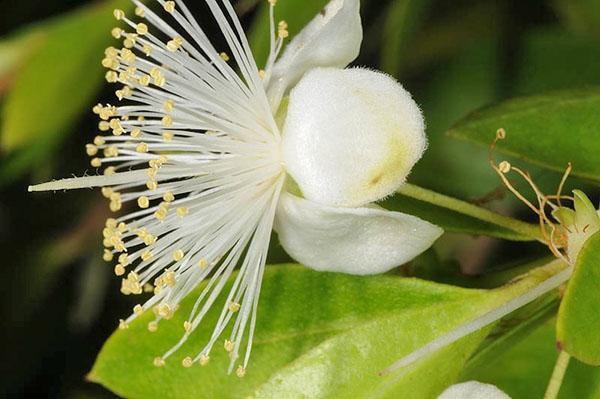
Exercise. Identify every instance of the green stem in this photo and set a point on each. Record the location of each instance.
(422, 194)
(557, 375)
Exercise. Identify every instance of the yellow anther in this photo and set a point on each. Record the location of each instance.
(501, 134)
(139, 11)
(123, 324)
(103, 126)
(127, 91)
(170, 279)
(110, 62)
(146, 255)
(119, 269)
(149, 239)
(142, 147)
(204, 359)
(202, 263)
(115, 206)
(167, 120)
(129, 42)
(141, 118)
(187, 362)
(174, 44)
(282, 31)
(262, 74)
(111, 223)
(159, 361)
(141, 29)
(110, 170)
(160, 81)
(148, 288)
(97, 108)
(272, 2)
(143, 202)
(91, 149)
(228, 345)
(127, 55)
(138, 309)
(187, 326)
(240, 372)
(161, 214)
(111, 77)
(144, 80)
(233, 307)
(107, 256)
(96, 162)
(119, 14)
(152, 326)
(136, 132)
(168, 136)
(168, 105)
(168, 196)
(178, 255)
(151, 172)
(147, 48)
(182, 211)
(169, 6)
(111, 151)
(99, 140)
(164, 310)
(124, 259)
(116, 33)
(224, 56)
(504, 167)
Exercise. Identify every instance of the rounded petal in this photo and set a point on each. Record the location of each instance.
(331, 39)
(350, 240)
(473, 390)
(351, 136)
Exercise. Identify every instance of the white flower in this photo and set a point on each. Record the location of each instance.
(215, 154)
(473, 390)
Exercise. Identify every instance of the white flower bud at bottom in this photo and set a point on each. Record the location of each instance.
(473, 390)
(351, 136)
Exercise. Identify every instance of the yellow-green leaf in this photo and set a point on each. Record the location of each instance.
(320, 335)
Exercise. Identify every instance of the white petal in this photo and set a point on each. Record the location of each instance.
(332, 39)
(351, 136)
(350, 240)
(473, 390)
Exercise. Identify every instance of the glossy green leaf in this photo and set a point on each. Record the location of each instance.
(578, 326)
(524, 369)
(318, 335)
(297, 13)
(59, 80)
(549, 130)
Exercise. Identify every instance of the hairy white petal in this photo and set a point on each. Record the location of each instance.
(350, 240)
(331, 39)
(351, 136)
(473, 390)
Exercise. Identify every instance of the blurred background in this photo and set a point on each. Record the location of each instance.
(59, 300)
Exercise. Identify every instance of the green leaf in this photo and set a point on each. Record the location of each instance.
(549, 130)
(14, 51)
(318, 335)
(459, 216)
(578, 326)
(403, 18)
(582, 16)
(524, 369)
(296, 13)
(59, 80)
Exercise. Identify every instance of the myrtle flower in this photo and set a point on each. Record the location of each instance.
(216, 153)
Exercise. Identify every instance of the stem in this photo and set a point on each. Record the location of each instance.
(557, 375)
(488, 318)
(422, 194)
